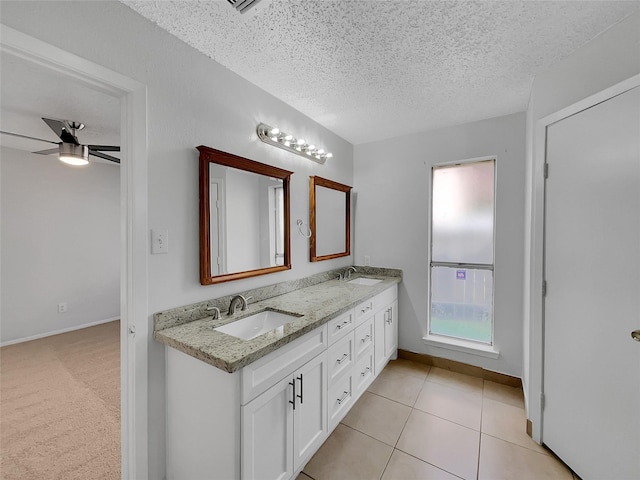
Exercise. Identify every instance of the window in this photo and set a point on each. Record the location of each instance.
(462, 240)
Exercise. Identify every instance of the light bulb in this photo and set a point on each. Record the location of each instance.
(75, 161)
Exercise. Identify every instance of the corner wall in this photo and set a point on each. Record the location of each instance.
(60, 243)
(391, 181)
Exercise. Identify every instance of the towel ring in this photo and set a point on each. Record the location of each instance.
(300, 224)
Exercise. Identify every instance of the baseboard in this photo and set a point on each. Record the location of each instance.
(460, 367)
(57, 332)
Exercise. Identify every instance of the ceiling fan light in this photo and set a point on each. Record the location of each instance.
(75, 155)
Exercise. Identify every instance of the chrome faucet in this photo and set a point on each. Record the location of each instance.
(238, 299)
(347, 273)
(215, 310)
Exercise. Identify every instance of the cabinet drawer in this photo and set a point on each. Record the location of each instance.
(385, 298)
(340, 400)
(340, 326)
(364, 338)
(363, 373)
(267, 371)
(340, 358)
(364, 310)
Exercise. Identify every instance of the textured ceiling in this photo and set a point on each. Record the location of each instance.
(29, 92)
(378, 69)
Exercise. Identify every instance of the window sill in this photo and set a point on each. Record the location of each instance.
(461, 346)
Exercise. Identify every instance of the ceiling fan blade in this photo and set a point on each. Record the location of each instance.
(26, 136)
(103, 156)
(62, 130)
(104, 148)
(48, 152)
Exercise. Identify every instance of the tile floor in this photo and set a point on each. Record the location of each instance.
(421, 422)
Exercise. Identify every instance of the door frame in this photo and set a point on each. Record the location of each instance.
(134, 313)
(536, 307)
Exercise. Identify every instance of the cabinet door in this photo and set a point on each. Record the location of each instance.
(391, 331)
(310, 415)
(386, 335)
(379, 323)
(267, 434)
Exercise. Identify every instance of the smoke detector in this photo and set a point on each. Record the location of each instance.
(244, 6)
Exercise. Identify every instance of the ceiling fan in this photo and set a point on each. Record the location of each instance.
(70, 150)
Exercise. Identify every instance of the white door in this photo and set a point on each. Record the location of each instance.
(591, 413)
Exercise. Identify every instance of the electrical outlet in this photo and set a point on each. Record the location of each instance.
(367, 260)
(62, 307)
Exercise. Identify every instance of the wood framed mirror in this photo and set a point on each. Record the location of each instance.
(244, 217)
(330, 219)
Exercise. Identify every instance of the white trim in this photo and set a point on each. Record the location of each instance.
(536, 340)
(459, 345)
(133, 187)
(57, 332)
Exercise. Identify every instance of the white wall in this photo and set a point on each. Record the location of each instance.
(391, 180)
(608, 59)
(60, 243)
(192, 101)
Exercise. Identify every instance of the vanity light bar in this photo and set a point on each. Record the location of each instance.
(274, 136)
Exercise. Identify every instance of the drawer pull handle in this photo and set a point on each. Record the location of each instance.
(293, 402)
(364, 373)
(301, 390)
(343, 324)
(368, 307)
(344, 357)
(345, 395)
(365, 338)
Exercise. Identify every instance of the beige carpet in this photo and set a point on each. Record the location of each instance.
(60, 406)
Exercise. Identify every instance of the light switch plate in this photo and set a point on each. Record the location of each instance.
(159, 241)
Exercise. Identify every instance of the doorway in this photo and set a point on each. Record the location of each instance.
(591, 372)
(133, 193)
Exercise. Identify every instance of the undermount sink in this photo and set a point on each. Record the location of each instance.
(262, 322)
(364, 281)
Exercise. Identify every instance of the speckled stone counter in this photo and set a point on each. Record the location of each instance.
(315, 304)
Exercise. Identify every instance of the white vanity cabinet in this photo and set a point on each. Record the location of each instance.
(266, 420)
(285, 425)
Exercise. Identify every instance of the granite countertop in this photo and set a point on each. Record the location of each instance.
(315, 305)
